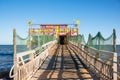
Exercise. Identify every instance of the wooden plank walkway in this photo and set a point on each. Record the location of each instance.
(63, 63)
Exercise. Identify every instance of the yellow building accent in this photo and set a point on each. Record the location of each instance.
(77, 22)
(29, 23)
(57, 31)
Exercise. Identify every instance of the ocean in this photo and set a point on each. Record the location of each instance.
(6, 59)
(118, 50)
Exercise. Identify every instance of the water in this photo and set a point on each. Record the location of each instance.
(109, 48)
(6, 59)
(118, 50)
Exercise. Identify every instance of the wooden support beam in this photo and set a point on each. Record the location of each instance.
(15, 57)
(115, 56)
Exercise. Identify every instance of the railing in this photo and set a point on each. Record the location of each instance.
(118, 64)
(28, 62)
(102, 67)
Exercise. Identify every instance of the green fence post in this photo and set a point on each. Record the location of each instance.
(98, 56)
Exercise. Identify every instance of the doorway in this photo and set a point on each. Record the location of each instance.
(62, 40)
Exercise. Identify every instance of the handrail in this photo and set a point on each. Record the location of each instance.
(101, 68)
(110, 54)
(101, 50)
(10, 74)
(35, 59)
(25, 53)
(32, 51)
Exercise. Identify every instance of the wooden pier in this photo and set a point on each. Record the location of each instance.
(58, 60)
(63, 63)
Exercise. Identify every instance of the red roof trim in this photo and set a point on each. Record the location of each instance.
(54, 25)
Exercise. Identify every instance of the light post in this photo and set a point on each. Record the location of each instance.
(77, 24)
(29, 42)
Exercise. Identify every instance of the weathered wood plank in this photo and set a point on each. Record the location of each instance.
(63, 64)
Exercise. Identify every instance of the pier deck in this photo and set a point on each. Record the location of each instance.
(63, 63)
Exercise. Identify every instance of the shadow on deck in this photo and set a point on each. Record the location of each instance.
(63, 63)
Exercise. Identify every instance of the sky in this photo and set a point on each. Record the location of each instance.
(94, 15)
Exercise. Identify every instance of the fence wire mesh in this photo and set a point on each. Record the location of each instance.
(31, 42)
